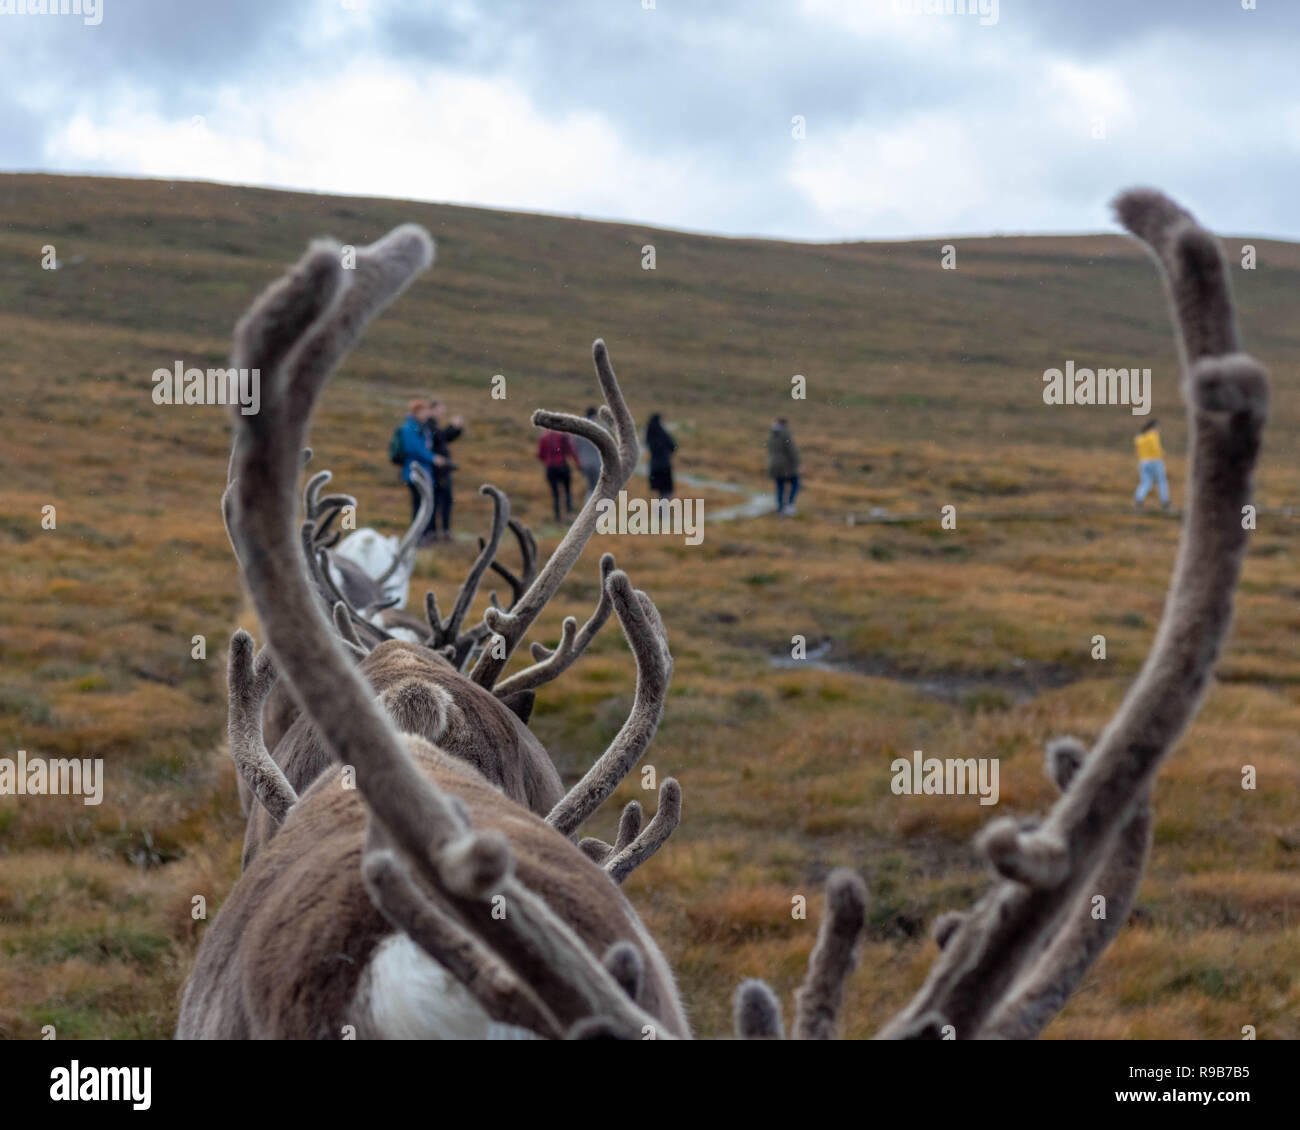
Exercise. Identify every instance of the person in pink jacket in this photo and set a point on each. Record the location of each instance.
(556, 450)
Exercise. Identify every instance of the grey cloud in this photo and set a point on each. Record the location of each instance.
(1105, 24)
(712, 87)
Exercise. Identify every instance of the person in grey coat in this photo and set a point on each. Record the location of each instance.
(783, 464)
(588, 456)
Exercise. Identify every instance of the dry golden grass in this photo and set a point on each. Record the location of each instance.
(924, 391)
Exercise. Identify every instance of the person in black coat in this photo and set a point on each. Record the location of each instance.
(661, 447)
(441, 432)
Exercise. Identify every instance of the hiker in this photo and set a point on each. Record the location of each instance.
(1151, 465)
(661, 447)
(409, 448)
(439, 437)
(783, 464)
(588, 455)
(555, 449)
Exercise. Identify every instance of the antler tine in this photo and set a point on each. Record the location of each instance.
(516, 589)
(528, 553)
(572, 643)
(424, 488)
(270, 329)
(371, 634)
(598, 851)
(343, 624)
(329, 509)
(434, 929)
(311, 492)
(818, 1000)
(757, 1013)
(618, 456)
(629, 824)
(457, 651)
(318, 575)
(654, 665)
(318, 569)
(250, 681)
(432, 614)
(228, 514)
(1048, 982)
(465, 644)
(334, 502)
(463, 868)
(449, 632)
(629, 857)
(1047, 869)
(1193, 271)
(615, 406)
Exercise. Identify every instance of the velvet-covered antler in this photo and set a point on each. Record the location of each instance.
(615, 440)
(634, 845)
(1053, 976)
(1005, 967)
(423, 512)
(295, 334)
(654, 665)
(250, 681)
(528, 553)
(552, 664)
(444, 633)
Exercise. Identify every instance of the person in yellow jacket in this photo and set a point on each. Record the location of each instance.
(1151, 465)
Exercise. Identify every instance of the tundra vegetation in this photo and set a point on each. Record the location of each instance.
(968, 642)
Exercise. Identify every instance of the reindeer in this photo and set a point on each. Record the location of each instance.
(366, 617)
(371, 571)
(386, 562)
(338, 920)
(479, 732)
(434, 856)
(374, 580)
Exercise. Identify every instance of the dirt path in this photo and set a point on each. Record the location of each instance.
(757, 503)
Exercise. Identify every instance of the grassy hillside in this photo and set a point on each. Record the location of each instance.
(924, 389)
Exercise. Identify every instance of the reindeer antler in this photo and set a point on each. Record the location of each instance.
(1006, 966)
(250, 682)
(318, 569)
(633, 846)
(528, 552)
(615, 439)
(1048, 982)
(654, 666)
(424, 488)
(552, 664)
(447, 632)
(296, 333)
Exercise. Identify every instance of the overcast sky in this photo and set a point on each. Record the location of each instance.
(682, 115)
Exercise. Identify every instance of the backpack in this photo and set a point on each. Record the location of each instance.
(396, 454)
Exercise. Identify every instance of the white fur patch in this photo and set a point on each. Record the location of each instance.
(374, 552)
(398, 633)
(405, 995)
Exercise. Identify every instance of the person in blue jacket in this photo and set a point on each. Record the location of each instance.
(416, 451)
